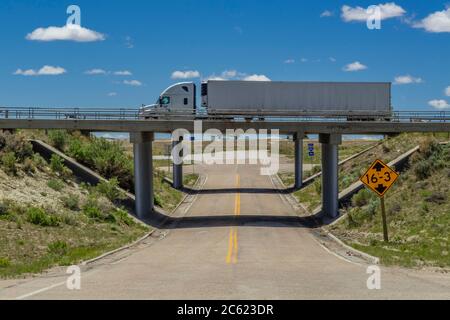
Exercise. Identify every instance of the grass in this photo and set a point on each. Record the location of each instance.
(47, 221)
(189, 180)
(32, 240)
(55, 184)
(418, 212)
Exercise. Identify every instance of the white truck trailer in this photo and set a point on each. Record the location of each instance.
(260, 99)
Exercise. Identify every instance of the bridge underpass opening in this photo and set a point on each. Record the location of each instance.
(143, 170)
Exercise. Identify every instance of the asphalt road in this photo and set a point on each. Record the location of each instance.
(236, 239)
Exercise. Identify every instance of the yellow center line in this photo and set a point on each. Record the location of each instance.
(233, 238)
(230, 247)
(235, 247)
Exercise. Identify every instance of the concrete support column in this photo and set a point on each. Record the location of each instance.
(330, 173)
(143, 173)
(178, 168)
(298, 161)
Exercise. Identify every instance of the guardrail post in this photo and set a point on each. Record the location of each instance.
(143, 173)
(178, 168)
(298, 161)
(330, 173)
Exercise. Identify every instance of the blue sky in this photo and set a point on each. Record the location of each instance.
(279, 40)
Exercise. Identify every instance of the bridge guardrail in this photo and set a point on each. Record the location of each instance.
(34, 113)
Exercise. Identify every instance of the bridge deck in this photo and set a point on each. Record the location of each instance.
(127, 120)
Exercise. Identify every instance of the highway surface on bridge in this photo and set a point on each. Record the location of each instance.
(236, 239)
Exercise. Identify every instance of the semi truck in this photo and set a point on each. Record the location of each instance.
(261, 99)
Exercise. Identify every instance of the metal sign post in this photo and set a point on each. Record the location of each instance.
(311, 153)
(379, 178)
(193, 154)
(383, 216)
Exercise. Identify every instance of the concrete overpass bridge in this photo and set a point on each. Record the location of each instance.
(330, 129)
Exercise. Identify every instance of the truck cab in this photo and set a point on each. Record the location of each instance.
(179, 99)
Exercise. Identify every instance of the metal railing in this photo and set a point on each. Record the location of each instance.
(33, 113)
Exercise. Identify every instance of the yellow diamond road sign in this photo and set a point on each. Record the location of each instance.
(379, 178)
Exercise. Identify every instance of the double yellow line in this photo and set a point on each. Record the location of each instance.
(233, 238)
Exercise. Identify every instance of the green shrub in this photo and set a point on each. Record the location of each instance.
(39, 217)
(428, 147)
(318, 187)
(92, 210)
(424, 208)
(57, 166)
(423, 169)
(9, 161)
(122, 216)
(39, 161)
(110, 190)
(108, 158)
(17, 144)
(361, 198)
(28, 166)
(58, 248)
(157, 200)
(55, 184)
(58, 138)
(4, 209)
(77, 150)
(69, 219)
(72, 202)
(11, 208)
(373, 207)
(4, 262)
(56, 163)
(316, 169)
(351, 223)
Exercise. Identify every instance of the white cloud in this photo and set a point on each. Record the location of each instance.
(289, 61)
(134, 83)
(327, 13)
(354, 66)
(439, 104)
(216, 78)
(228, 74)
(71, 32)
(44, 71)
(236, 75)
(256, 77)
(123, 73)
(95, 72)
(407, 79)
(332, 59)
(185, 74)
(388, 10)
(304, 60)
(112, 94)
(447, 91)
(438, 21)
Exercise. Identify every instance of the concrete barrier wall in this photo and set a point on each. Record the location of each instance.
(81, 172)
(399, 164)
